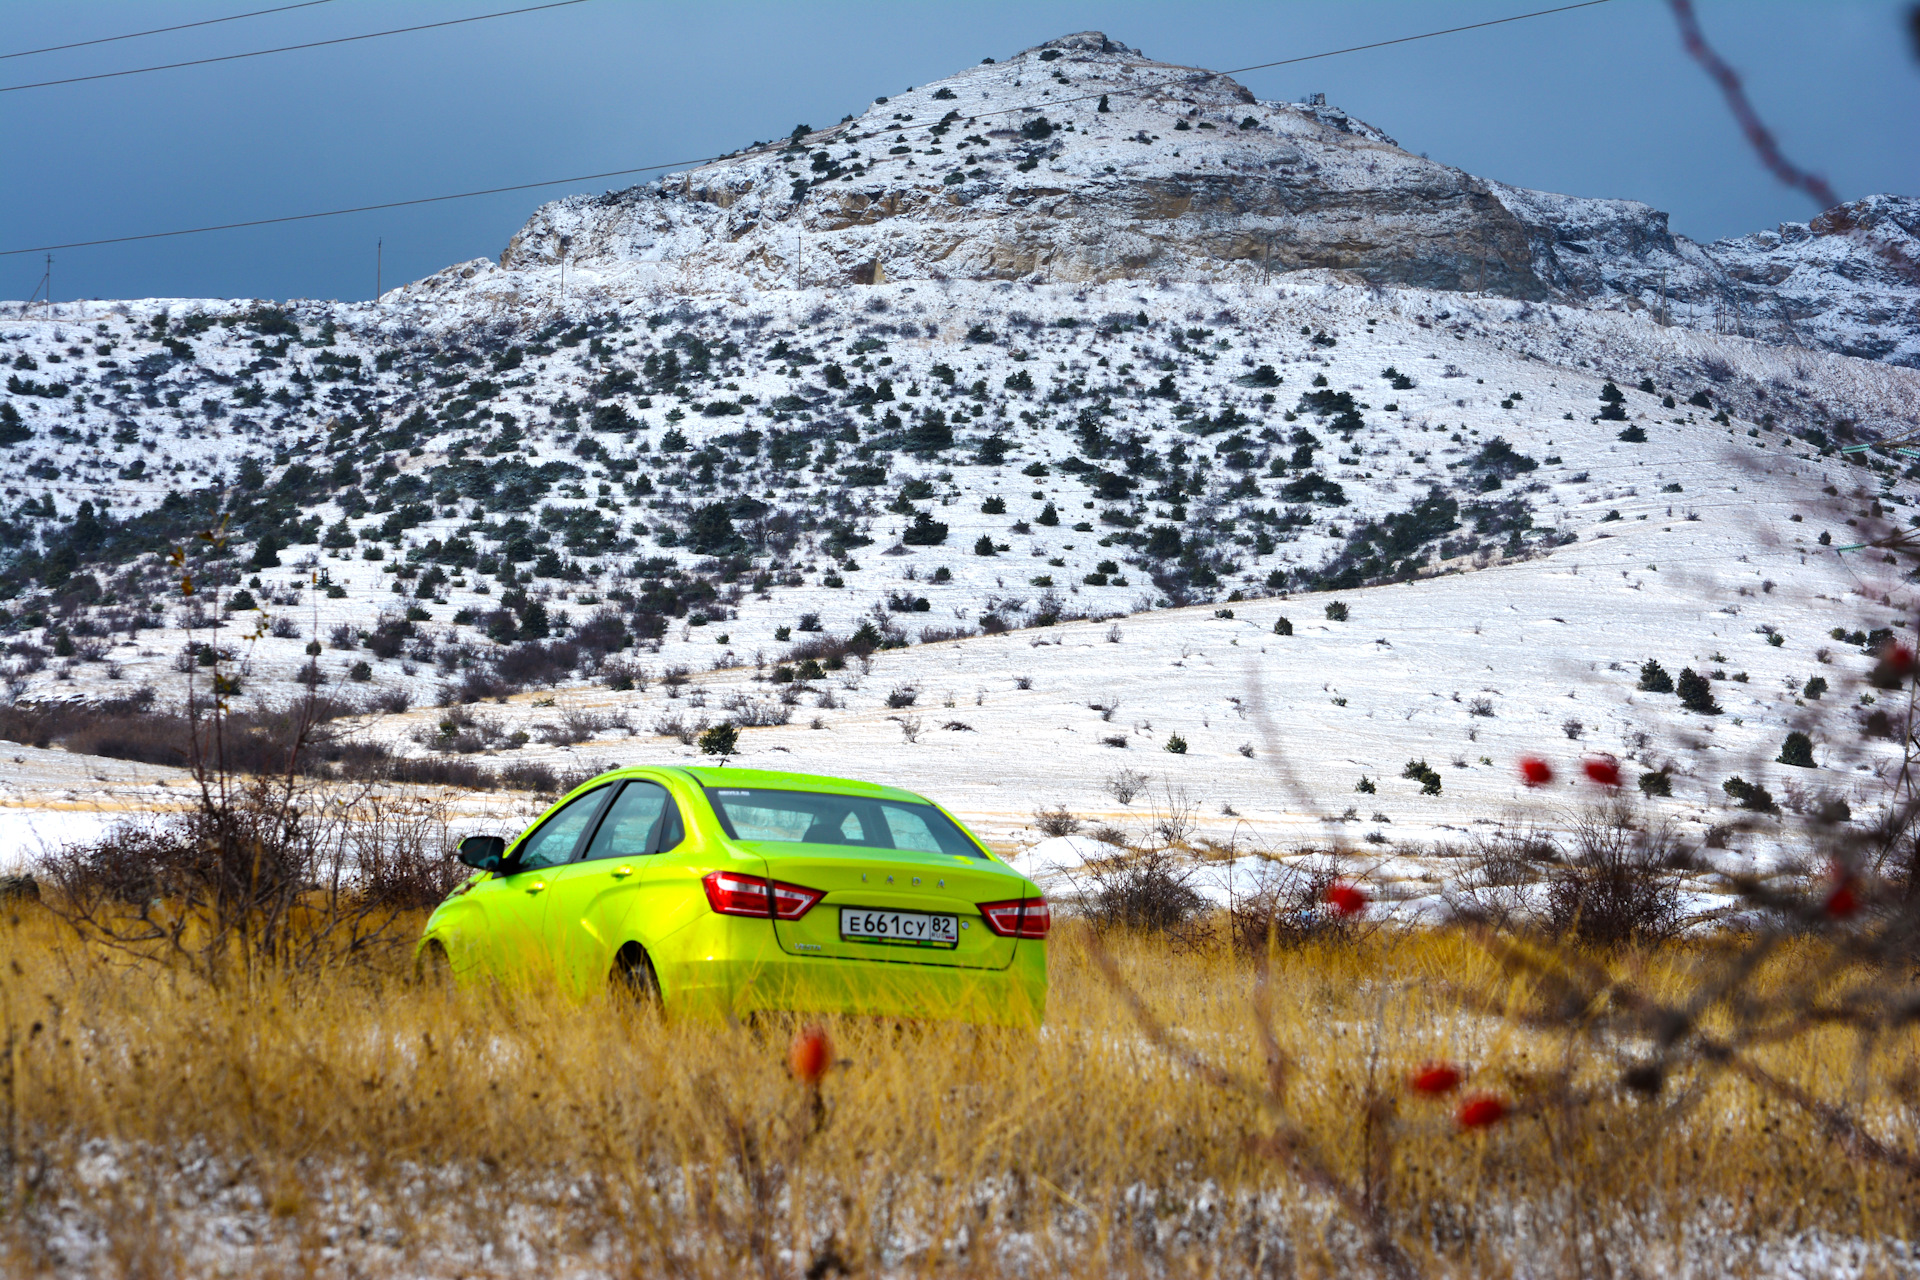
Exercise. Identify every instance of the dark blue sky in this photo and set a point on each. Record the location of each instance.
(1600, 102)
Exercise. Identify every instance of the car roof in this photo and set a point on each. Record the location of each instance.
(775, 780)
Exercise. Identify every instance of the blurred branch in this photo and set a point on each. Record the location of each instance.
(1750, 123)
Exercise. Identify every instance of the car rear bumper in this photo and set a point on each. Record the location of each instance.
(754, 978)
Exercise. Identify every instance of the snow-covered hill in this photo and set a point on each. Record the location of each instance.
(1082, 160)
(978, 393)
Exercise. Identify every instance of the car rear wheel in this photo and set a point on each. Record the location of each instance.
(633, 980)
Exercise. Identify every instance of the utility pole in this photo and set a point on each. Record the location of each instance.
(379, 251)
(46, 282)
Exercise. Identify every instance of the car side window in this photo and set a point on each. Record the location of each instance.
(553, 841)
(641, 820)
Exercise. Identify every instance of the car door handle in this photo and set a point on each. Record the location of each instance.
(621, 873)
(536, 886)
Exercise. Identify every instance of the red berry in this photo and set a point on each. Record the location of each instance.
(1842, 902)
(1900, 659)
(1604, 770)
(1435, 1078)
(1535, 772)
(1345, 899)
(1481, 1111)
(810, 1054)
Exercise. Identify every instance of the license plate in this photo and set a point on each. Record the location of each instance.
(901, 928)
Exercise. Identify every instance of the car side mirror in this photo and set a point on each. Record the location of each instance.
(483, 853)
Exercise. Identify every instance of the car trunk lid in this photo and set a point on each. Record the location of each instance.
(888, 880)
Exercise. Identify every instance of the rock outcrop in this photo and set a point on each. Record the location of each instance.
(1848, 281)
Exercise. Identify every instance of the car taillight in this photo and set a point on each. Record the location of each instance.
(731, 894)
(1021, 918)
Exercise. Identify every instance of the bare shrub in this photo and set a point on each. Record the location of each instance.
(904, 695)
(1124, 784)
(1618, 885)
(910, 726)
(1149, 890)
(575, 726)
(1175, 816)
(1286, 906)
(1055, 821)
(676, 726)
(400, 851)
(1496, 888)
(623, 676)
(523, 775)
(756, 713)
(262, 876)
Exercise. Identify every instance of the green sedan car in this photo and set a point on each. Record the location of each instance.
(723, 891)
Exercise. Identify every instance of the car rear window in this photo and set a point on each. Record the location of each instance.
(809, 817)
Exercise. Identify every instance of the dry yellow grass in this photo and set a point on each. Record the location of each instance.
(361, 1124)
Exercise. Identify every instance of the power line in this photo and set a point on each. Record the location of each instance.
(288, 48)
(678, 164)
(1310, 57)
(363, 208)
(131, 35)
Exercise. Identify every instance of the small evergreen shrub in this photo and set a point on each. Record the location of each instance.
(1695, 693)
(1750, 795)
(1423, 773)
(720, 740)
(1797, 751)
(1282, 626)
(1336, 612)
(1656, 784)
(925, 531)
(1176, 744)
(1654, 678)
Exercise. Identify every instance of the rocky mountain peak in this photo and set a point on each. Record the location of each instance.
(1082, 160)
(1084, 42)
(1078, 160)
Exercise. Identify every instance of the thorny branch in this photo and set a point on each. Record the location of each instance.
(1750, 123)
